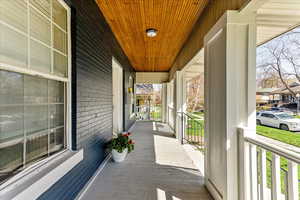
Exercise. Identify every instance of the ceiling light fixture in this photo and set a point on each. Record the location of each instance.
(151, 32)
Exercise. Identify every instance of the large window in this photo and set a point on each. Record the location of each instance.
(34, 82)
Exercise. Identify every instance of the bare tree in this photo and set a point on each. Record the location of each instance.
(195, 93)
(281, 56)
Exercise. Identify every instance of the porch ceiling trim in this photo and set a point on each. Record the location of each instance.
(152, 77)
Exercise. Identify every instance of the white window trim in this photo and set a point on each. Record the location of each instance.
(15, 180)
(69, 82)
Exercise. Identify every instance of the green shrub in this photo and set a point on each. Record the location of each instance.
(121, 142)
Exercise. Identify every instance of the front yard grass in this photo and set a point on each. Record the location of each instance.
(195, 127)
(288, 137)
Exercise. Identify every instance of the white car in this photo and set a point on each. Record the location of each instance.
(280, 120)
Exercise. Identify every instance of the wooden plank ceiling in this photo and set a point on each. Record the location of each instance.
(174, 20)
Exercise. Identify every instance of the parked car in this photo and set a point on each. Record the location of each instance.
(280, 120)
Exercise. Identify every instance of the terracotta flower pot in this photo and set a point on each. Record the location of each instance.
(119, 157)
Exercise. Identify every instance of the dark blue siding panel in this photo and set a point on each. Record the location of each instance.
(93, 46)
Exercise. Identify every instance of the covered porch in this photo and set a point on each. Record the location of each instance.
(68, 70)
(159, 168)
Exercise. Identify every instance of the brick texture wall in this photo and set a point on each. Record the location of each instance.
(93, 46)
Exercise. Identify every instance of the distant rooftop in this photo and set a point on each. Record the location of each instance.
(266, 90)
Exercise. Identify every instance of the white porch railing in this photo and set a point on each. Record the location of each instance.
(192, 130)
(261, 180)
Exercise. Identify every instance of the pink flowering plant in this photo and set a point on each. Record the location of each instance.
(121, 142)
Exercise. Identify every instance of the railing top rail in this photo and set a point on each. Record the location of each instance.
(195, 119)
(288, 154)
(189, 115)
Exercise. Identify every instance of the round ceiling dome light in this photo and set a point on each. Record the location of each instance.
(151, 32)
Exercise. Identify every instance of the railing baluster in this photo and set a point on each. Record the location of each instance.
(253, 172)
(198, 132)
(293, 181)
(194, 135)
(191, 133)
(276, 189)
(263, 174)
(186, 128)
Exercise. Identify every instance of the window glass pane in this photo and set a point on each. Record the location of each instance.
(42, 5)
(11, 88)
(35, 90)
(36, 147)
(56, 92)
(60, 40)
(13, 47)
(57, 140)
(59, 14)
(60, 65)
(56, 115)
(36, 119)
(14, 13)
(40, 27)
(40, 57)
(11, 123)
(11, 158)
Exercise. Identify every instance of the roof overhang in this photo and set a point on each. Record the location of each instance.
(276, 17)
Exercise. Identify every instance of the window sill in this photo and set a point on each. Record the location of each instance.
(38, 178)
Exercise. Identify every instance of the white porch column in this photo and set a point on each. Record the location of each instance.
(184, 93)
(178, 104)
(168, 103)
(164, 103)
(230, 75)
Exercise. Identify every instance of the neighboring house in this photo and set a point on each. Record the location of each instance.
(265, 96)
(277, 96)
(286, 96)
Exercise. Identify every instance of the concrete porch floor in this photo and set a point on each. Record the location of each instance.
(158, 169)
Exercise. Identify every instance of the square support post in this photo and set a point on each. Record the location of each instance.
(179, 104)
(230, 84)
(164, 103)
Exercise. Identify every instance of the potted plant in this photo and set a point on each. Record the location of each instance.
(120, 146)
